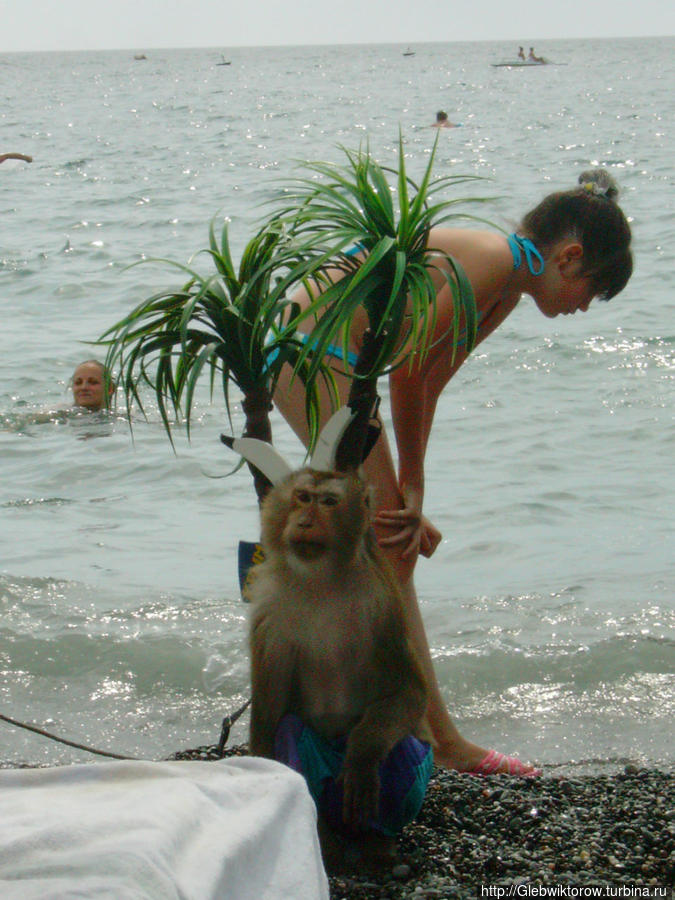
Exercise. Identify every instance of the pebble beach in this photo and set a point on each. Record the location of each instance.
(611, 830)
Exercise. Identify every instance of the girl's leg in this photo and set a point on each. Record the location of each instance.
(451, 750)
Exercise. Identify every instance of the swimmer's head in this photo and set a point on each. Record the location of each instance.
(92, 385)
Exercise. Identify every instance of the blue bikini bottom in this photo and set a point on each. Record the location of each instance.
(331, 350)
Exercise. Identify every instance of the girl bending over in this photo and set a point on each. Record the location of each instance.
(571, 249)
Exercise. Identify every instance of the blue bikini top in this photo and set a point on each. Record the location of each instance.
(518, 244)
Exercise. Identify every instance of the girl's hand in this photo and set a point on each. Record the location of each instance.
(411, 528)
(430, 538)
(406, 528)
(415, 532)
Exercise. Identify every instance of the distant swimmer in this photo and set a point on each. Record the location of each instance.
(93, 388)
(92, 385)
(442, 121)
(4, 156)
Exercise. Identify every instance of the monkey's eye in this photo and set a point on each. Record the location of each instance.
(329, 500)
(303, 496)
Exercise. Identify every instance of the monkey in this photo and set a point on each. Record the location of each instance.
(332, 665)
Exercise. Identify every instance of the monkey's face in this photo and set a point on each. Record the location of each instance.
(327, 515)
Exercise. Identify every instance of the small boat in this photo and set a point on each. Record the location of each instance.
(140, 56)
(525, 63)
(224, 62)
(408, 52)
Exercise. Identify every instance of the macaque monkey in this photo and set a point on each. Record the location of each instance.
(331, 656)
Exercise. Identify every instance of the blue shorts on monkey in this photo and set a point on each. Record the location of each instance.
(404, 775)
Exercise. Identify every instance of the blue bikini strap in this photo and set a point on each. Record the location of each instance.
(517, 243)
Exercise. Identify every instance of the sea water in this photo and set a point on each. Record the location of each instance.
(549, 604)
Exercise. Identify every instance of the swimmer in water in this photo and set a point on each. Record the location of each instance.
(93, 389)
(92, 386)
(442, 121)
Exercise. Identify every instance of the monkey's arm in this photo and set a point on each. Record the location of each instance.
(271, 680)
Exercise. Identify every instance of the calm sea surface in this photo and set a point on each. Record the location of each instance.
(549, 605)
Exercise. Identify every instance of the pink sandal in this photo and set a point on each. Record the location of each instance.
(494, 763)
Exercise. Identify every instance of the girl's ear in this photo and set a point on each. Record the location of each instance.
(572, 252)
(570, 258)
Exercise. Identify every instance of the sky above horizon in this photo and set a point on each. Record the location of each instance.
(34, 25)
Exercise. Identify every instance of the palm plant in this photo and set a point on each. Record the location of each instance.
(352, 206)
(239, 325)
(231, 322)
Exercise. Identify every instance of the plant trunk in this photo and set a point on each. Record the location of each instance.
(362, 401)
(257, 405)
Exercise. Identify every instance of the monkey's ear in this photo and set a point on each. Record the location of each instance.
(323, 458)
(260, 454)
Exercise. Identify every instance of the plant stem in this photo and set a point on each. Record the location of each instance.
(257, 405)
(362, 401)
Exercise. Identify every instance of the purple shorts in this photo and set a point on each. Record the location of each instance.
(404, 774)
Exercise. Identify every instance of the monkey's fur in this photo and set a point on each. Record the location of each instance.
(328, 636)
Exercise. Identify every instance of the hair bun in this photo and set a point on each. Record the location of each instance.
(600, 183)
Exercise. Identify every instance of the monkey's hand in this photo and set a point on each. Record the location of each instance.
(361, 793)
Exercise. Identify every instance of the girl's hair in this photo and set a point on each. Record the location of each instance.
(105, 372)
(590, 214)
(93, 362)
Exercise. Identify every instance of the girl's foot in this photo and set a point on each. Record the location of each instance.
(475, 760)
(494, 763)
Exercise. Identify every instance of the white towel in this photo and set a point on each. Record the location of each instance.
(238, 829)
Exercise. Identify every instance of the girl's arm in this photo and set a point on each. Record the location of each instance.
(4, 156)
(413, 395)
(414, 391)
(411, 419)
(408, 402)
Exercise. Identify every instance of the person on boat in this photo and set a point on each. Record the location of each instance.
(521, 53)
(442, 121)
(21, 156)
(534, 58)
(572, 248)
(92, 386)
